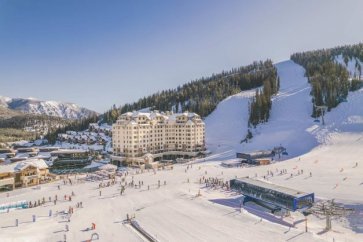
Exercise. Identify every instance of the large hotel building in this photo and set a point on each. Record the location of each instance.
(138, 133)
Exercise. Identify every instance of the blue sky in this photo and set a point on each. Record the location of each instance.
(97, 53)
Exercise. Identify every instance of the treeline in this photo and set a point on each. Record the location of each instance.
(261, 103)
(202, 95)
(32, 126)
(75, 125)
(29, 126)
(32, 120)
(348, 52)
(329, 79)
(12, 135)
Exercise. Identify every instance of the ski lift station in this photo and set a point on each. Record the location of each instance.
(272, 196)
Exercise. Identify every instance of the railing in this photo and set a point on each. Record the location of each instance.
(142, 231)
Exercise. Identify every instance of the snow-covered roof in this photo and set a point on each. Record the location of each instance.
(108, 167)
(286, 190)
(21, 165)
(39, 163)
(23, 143)
(7, 168)
(67, 151)
(93, 165)
(168, 116)
(189, 122)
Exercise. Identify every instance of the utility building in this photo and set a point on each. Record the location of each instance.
(272, 196)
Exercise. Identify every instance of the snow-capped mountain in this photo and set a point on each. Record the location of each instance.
(50, 108)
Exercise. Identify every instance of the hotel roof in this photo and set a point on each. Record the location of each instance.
(285, 190)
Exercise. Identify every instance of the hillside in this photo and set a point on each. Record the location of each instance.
(290, 124)
(49, 108)
(202, 95)
(6, 113)
(16, 126)
(327, 73)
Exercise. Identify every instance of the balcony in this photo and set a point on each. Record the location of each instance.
(27, 178)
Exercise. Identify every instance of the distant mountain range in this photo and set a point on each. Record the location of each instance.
(50, 108)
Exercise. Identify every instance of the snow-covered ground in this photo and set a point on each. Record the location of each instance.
(174, 213)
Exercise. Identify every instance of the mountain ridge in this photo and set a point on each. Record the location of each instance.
(66, 110)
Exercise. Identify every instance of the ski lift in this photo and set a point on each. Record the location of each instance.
(285, 153)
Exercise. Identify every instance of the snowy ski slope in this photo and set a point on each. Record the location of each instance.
(290, 124)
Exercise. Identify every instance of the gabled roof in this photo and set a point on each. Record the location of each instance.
(21, 165)
(38, 163)
(67, 151)
(168, 117)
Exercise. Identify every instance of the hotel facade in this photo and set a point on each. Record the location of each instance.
(136, 134)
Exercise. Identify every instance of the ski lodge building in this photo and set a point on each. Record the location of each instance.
(22, 174)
